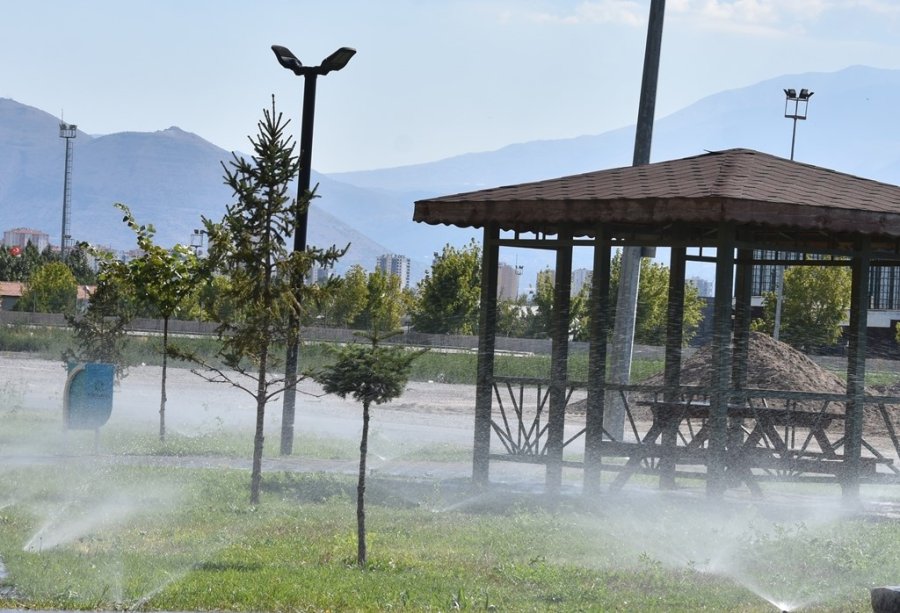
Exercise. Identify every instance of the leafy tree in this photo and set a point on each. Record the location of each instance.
(541, 324)
(100, 333)
(350, 297)
(815, 302)
(77, 261)
(249, 246)
(162, 278)
(17, 264)
(450, 293)
(513, 317)
(653, 300)
(370, 374)
(385, 303)
(50, 289)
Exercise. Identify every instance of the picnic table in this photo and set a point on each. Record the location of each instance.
(772, 440)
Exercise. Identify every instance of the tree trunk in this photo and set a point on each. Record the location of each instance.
(256, 473)
(361, 491)
(162, 393)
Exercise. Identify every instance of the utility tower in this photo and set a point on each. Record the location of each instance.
(67, 131)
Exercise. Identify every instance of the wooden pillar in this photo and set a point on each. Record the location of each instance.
(742, 317)
(598, 333)
(856, 368)
(559, 362)
(721, 366)
(487, 330)
(674, 342)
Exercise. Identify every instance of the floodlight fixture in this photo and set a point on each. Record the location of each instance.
(333, 62)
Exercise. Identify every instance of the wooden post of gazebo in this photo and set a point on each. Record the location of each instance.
(856, 367)
(559, 361)
(596, 383)
(720, 381)
(487, 333)
(672, 372)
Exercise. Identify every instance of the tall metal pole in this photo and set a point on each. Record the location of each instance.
(630, 271)
(790, 96)
(335, 61)
(67, 131)
(288, 411)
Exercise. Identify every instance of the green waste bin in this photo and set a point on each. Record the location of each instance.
(88, 397)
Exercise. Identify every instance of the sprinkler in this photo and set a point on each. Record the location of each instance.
(886, 599)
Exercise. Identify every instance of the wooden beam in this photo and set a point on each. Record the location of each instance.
(487, 333)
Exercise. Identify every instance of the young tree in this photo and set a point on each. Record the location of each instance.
(50, 289)
(249, 246)
(450, 293)
(815, 302)
(163, 279)
(100, 333)
(370, 374)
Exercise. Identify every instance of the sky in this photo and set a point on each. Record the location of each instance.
(431, 78)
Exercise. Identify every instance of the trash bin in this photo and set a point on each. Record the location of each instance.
(87, 401)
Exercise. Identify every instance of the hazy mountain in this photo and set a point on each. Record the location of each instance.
(171, 177)
(851, 127)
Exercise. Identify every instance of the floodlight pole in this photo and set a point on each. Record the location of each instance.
(622, 348)
(333, 62)
(798, 112)
(67, 131)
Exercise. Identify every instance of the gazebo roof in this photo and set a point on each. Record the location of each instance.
(738, 186)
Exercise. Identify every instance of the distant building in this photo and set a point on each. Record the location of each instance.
(20, 237)
(704, 286)
(580, 278)
(316, 275)
(508, 281)
(396, 265)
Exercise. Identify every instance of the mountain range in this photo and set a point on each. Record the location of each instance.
(172, 177)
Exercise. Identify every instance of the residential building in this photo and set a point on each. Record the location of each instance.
(20, 237)
(704, 286)
(395, 265)
(580, 278)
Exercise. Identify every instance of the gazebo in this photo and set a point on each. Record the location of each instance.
(722, 208)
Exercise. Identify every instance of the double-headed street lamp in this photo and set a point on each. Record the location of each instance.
(335, 61)
(801, 102)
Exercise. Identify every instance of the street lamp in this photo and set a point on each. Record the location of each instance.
(801, 103)
(333, 62)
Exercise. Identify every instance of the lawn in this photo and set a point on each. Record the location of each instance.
(83, 531)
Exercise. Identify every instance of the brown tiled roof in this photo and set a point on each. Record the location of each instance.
(736, 185)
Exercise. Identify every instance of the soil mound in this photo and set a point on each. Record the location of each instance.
(771, 365)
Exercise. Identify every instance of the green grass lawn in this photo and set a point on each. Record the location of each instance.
(87, 537)
(83, 531)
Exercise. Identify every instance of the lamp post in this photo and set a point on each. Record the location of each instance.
(800, 104)
(333, 62)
